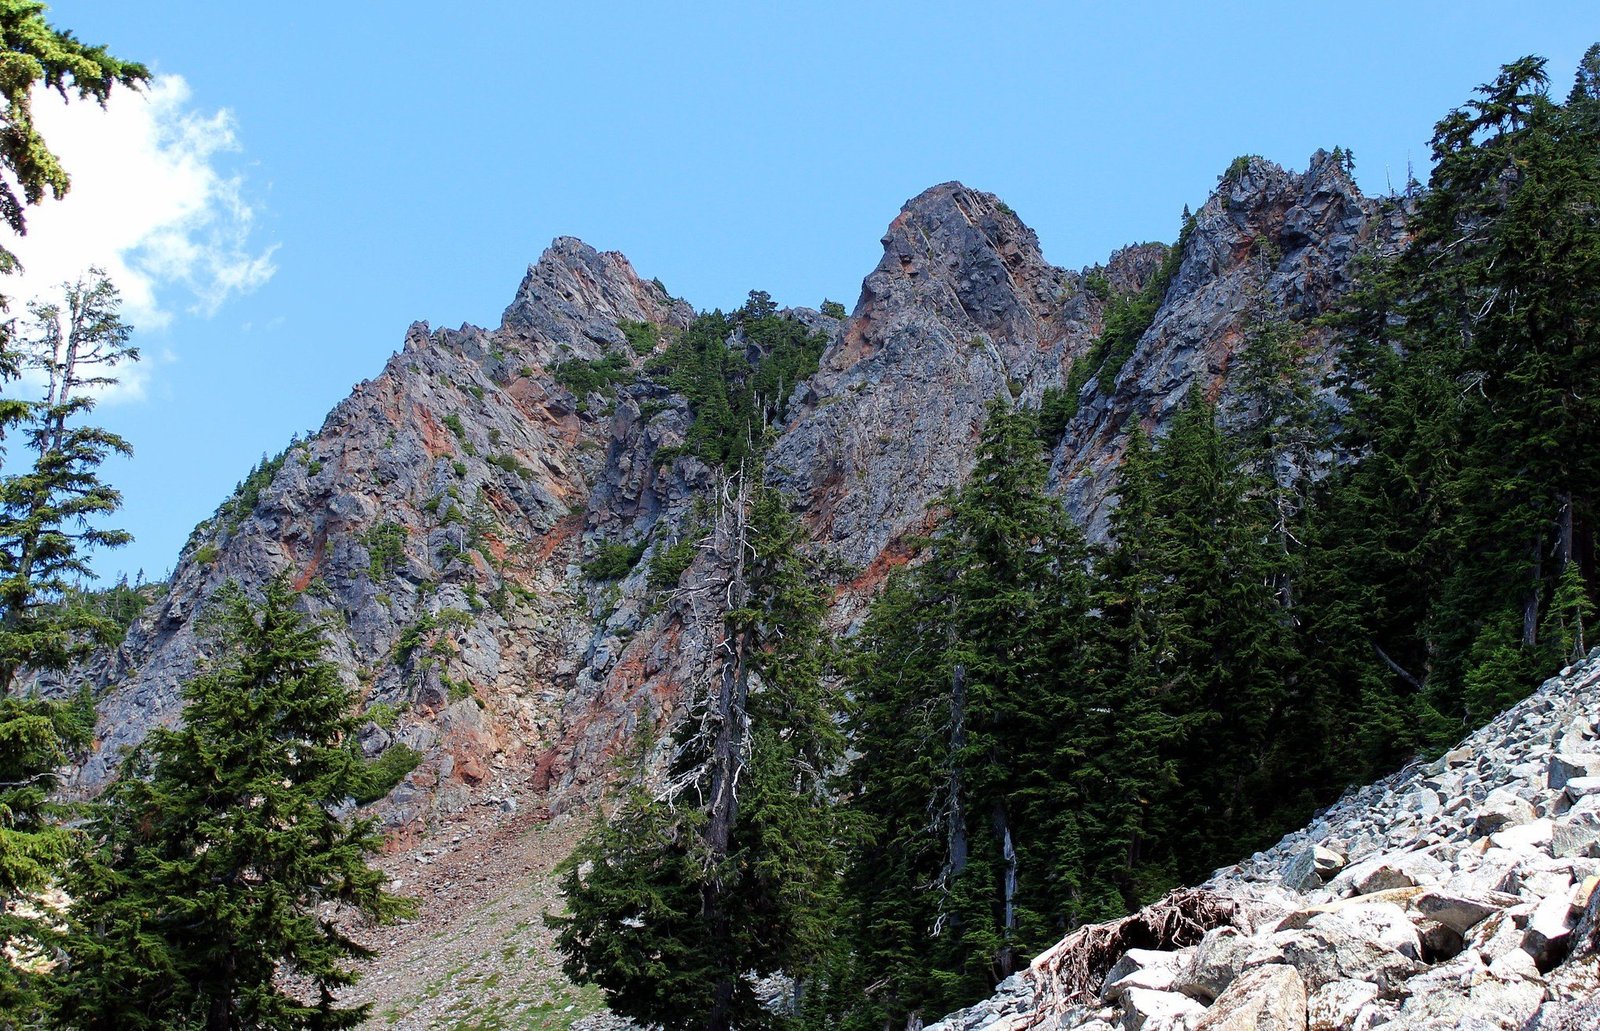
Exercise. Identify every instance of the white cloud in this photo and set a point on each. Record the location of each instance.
(152, 202)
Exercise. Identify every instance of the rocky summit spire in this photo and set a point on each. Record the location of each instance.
(574, 297)
(961, 308)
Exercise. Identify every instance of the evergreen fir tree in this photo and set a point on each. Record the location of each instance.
(1485, 411)
(1134, 730)
(215, 853)
(1228, 635)
(48, 509)
(971, 667)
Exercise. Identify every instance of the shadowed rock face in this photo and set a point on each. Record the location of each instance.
(438, 518)
(1267, 240)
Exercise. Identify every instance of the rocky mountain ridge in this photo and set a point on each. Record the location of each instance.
(441, 517)
(1454, 894)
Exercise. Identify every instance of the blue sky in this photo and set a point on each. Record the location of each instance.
(364, 165)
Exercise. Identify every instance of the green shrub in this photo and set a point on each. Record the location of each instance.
(247, 494)
(455, 690)
(668, 564)
(612, 561)
(642, 336)
(454, 422)
(834, 310)
(460, 469)
(385, 772)
(510, 464)
(597, 377)
(383, 714)
(411, 639)
(1056, 409)
(386, 549)
(206, 554)
(1237, 168)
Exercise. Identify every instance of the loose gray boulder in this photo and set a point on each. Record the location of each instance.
(1265, 998)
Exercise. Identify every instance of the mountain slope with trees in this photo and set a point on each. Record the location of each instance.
(1133, 566)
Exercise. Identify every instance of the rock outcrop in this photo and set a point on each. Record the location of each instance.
(440, 517)
(1267, 242)
(1457, 893)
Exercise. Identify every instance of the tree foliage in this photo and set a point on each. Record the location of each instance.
(213, 856)
(728, 872)
(738, 372)
(33, 54)
(966, 669)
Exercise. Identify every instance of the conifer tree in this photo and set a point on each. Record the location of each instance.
(730, 870)
(215, 852)
(1486, 410)
(1134, 730)
(48, 506)
(971, 667)
(48, 511)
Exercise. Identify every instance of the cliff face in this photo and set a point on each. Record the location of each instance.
(1267, 241)
(439, 518)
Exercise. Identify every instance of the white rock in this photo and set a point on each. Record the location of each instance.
(1146, 1010)
(1503, 808)
(1331, 953)
(1497, 870)
(1141, 968)
(1565, 766)
(1328, 861)
(1462, 994)
(1382, 922)
(1526, 838)
(1578, 787)
(1215, 962)
(1424, 802)
(1542, 884)
(1460, 912)
(1571, 837)
(1337, 1004)
(1586, 807)
(1387, 871)
(1548, 930)
(1515, 964)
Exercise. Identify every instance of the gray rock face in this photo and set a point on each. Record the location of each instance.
(962, 308)
(445, 500)
(440, 516)
(1267, 239)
